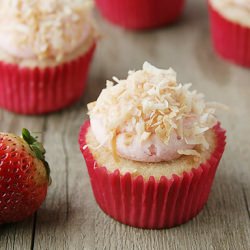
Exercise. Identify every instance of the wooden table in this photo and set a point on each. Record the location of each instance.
(70, 218)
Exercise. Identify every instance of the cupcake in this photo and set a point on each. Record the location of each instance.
(230, 27)
(140, 14)
(152, 148)
(45, 51)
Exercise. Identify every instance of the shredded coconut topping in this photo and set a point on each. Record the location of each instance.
(151, 102)
(49, 28)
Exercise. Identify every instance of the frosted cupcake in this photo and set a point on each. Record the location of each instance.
(140, 14)
(45, 51)
(230, 26)
(152, 148)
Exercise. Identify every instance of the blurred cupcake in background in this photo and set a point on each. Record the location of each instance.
(152, 147)
(141, 14)
(45, 51)
(230, 27)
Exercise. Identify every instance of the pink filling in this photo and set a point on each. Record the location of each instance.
(150, 150)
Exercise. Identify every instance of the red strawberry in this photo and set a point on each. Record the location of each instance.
(24, 176)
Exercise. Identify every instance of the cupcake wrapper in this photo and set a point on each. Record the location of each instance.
(37, 91)
(231, 40)
(149, 203)
(141, 14)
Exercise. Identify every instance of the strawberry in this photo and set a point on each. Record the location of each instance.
(24, 176)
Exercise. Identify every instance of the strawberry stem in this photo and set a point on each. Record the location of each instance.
(37, 148)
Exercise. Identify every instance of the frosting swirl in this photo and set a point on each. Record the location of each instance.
(43, 29)
(149, 117)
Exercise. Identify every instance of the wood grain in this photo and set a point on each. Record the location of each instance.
(70, 218)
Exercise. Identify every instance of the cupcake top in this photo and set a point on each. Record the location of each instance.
(235, 10)
(43, 30)
(149, 117)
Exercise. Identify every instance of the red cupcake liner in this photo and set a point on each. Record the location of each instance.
(231, 40)
(35, 91)
(150, 203)
(141, 14)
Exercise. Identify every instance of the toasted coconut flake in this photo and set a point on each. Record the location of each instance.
(217, 105)
(188, 152)
(109, 84)
(150, 101)
(145, 136)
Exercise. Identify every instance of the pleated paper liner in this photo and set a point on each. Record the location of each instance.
(149, 203)
(37, 91)
(141, 14)
(230, 39)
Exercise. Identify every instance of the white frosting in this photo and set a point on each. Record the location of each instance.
(235, 10)
(31, 29)
(150, 150)
(8, 38)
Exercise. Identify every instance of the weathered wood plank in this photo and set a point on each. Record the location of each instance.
(64, 220)
(52, 217)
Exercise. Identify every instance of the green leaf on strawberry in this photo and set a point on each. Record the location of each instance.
(37, 148)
